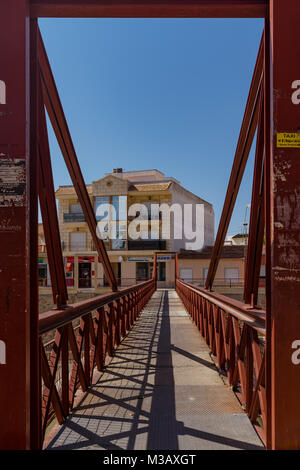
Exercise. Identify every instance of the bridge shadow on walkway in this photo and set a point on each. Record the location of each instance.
(161, 391)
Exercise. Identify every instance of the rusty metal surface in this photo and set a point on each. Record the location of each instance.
(161, 391)
(151, 8)
(284, 228)
(254, 317)
(276, 79)
(267, 210)
(18, 228)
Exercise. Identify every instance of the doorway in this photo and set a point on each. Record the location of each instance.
(161, 273)
(142, 271)
(85, 275)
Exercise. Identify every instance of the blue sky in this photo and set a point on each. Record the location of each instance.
(156, 93)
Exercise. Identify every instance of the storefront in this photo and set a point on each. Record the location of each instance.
(162, 261)
(69, 270)
(86, 271)
(43, 273)
(144, 268)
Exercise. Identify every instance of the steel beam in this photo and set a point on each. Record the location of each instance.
(154, 270)
(19, 391)
(49, 212)
(241, 156)
(176, 267)
(257, 222)
(284, 225)
(267, 204)
(60, 127)
(32, 241)
(150, 8)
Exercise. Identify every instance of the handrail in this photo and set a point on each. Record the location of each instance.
(235, 334)
(76, 350)
(253, 317)
(56, 318)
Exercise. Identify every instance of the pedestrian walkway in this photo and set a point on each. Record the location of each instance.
(161, 391)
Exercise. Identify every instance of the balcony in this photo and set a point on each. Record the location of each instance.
(78, 247)
(148, 217)
(73, 217)
(147, 245)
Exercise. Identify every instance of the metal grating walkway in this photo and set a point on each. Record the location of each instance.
(161, 391)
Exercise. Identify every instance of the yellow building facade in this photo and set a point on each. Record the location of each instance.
(131, 259)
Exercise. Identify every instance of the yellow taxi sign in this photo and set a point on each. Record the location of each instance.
(288, 139)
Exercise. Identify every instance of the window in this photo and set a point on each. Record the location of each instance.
(111, 208)
(111, 214)
(205, 272)
(231, 274)
(161, 271)
(153, 214)
(84, 274)
(186, 274)
(142, 271)
(119, 203)
(119, 242)
(42, 274)
(102, 208)
(76, 209)
(77, 241)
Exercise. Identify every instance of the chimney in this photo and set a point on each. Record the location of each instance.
(118, 170)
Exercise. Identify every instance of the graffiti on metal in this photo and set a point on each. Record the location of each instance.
(12, 181)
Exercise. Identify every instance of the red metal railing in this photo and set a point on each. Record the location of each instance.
(218, 281)
(85, 335)
(235, 334)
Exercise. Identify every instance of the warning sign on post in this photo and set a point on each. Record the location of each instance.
(288, 139)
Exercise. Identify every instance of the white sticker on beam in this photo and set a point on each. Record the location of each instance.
(2, 92)
(2, 352)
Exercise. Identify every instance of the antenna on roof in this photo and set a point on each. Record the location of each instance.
(245, 230)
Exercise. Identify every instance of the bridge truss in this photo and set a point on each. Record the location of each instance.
(259, 350)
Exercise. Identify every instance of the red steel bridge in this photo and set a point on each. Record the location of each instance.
(257, 350)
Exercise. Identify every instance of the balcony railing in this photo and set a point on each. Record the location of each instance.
(147, 245)
(218, 281)
(73, 217)
(78, 247)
